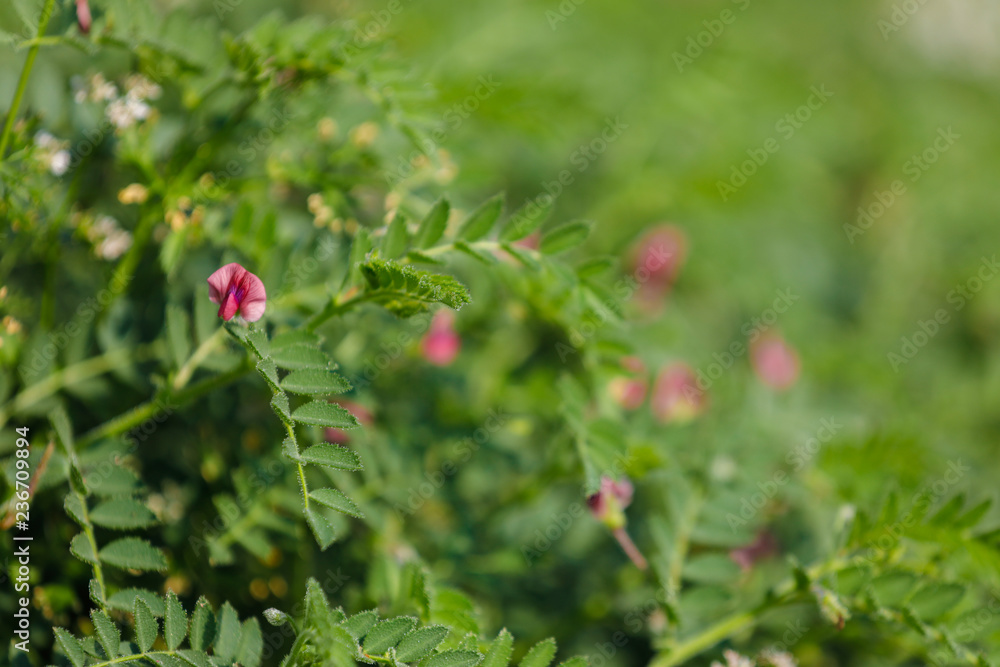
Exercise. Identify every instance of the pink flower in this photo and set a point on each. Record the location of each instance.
(339, 436)
(656, 262)
(763, 546)
(676, 396)
(611, 498)
(629, 391)
(236, 290)
(441, 343)
(608, 506)
(83, 16)
(775, 362)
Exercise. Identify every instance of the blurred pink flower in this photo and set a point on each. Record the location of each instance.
(339, 436)
(83, 16)
(629, 391)
(775, 362)
(236, 290)
(676, 396)
(763, 546)
(608, 506)
(656, 262)
(441, 343)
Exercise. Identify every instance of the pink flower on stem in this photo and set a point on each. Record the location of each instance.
(775, 362)
(83, 16)
(629, 391)
(236, 290)
(608, 506)
(441, 343)
(676, 396)
(656, 262)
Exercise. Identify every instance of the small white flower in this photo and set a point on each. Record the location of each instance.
(102, 90)
(59, 162)
(141, 88)
(115, 245)
(779, 658)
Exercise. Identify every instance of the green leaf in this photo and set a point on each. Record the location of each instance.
(332, 456)
(336, 500)
(433, 225)
(124, 600)
(122, 514)
(522, 255)
(113, 481)
(178, 334)
(313, 381)
(420, 643)
(202, 625)
(935, 600)
(279, 403)
(500, 650)
(396, 237)
(63, 429)
(564, 237)
(228, 638)
(107, 633)
(132, 553)
(405, 291)
(527, 219)
(75, 509)
(359, 624)
(294, 337)
(195, 658)
(541, 654)
(413, 588)
(577, 661)
(949, 511)
(454, 659)
(321, 528)
(482, 256)
(146, 627)
(892, 588)
(321, 413)
(972, 517)
(257, 338)
(70, 647)
(299, 356)
(81, 547)
(480, 222)
(251, 644)
(387, 634)
(269, 371)
(175, 622)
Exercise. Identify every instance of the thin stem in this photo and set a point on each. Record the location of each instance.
(301, 469)
(628, 546)
(130, 658)
(73, 374)
(333, 308)
(151, 408)
(191, 365)
(22, 83)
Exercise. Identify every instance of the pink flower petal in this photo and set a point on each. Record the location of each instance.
(676, 396)
(218, 282)
(442, 343)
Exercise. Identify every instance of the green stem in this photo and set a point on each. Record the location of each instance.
(301, 469)
(191, 365)
(331, 309)
(74, 374)
(130, 658)
(730, 625)
(151, 408)
(22, 83)
(88, 530)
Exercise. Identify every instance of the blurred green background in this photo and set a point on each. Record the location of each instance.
(700, 88)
